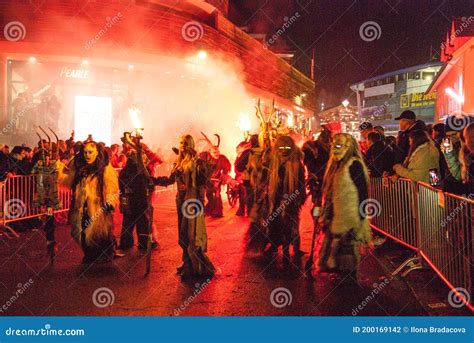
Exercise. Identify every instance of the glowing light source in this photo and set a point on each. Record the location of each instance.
(289, 120)
(134, 114)
(345, 103)
(85, 62)
(458, 97)
(244, 122)
(202, 55)
(32, 60)
(93, 116)
(131, 67)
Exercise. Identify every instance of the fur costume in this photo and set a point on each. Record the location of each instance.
(345, 191)
(286, 195)
(190, 174)
(95, 190)
(86, 193)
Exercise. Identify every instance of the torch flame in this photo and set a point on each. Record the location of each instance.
(134, 112)
(244, 122)
(289, 121)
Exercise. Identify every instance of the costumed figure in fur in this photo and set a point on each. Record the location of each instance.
(258, 168)
(136, 190)
(345, 191)
(219, 168)
(46, 188)
(286, 196)
(190, 174)
(95, 189)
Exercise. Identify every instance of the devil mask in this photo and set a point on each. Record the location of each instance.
(90, 153)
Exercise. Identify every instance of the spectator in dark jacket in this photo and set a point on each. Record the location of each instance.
(408, 123)
(439, 132)
(379, 156)
(18, 161)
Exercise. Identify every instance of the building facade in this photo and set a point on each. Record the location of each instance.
(382, 98)
(455, 82)
(60, 60)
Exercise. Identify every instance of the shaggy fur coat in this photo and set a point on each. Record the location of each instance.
(100, 222)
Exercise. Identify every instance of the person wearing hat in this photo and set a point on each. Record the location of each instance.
(408, 123)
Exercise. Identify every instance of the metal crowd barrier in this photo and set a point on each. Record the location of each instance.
(17, 192)
(16, 200)
(437, 226)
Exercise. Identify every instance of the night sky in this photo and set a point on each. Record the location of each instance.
(407, 31)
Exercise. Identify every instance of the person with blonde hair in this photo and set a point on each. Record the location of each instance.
(345, 194)
(190, 174)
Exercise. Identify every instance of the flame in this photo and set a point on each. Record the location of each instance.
(134, 113)
(289, 121)
(244, 122)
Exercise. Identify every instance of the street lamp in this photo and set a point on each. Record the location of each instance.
(345, 103)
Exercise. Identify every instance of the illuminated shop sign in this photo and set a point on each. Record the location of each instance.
(71, 73)
(417, 99)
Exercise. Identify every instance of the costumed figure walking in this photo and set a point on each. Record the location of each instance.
(46, 189)
(190, 174)
(316, 156)
(136, 190)
(258, 168)
(345, 191)
(287, 195)
(246, 196)
(220, 168)
(94, 185)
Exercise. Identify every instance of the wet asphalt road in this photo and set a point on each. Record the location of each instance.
(243, 285)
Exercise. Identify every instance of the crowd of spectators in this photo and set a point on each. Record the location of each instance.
(439, 154)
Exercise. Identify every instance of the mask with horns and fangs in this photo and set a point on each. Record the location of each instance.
(214, 148)
(268, 125)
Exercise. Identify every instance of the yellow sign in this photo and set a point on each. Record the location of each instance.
(417, 99)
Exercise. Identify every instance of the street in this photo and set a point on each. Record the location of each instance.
(243, 285)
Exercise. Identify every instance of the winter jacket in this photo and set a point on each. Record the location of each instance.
(379, 159)
(403, 145)
(424, 158)
(342, 210)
